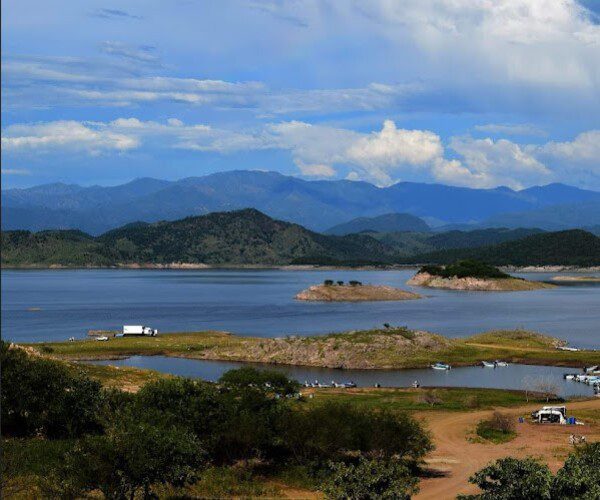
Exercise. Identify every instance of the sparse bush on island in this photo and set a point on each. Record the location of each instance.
(328, 282)
(465, 269)
(355, 283)
(340, 283)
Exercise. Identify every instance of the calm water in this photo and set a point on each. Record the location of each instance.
(56, 304)
(510, 377)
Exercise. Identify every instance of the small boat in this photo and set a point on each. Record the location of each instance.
(488, 364)
(500, 363)
(440, 366)
(349, 385)
(590, 369)
(570, 376)
(102, 338)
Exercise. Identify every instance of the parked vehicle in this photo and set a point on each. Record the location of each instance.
(139, 330)
(551, 414)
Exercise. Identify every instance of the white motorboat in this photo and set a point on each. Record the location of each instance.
(500, 363)
(488, 364)
(440, 366)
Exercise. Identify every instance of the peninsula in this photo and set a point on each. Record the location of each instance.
(384, 348)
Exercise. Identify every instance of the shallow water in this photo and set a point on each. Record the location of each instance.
(41, 305)
(510, 377)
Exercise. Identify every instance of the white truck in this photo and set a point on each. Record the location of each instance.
(139, 330)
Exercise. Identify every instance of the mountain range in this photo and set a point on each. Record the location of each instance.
(249, 237)
(317, 205)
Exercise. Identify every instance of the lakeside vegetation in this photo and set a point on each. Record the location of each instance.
(70, 437)
(393, 347)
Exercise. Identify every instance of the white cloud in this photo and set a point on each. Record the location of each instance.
(316, 169)
(68, 134)
(584, 148)
(500, 162)
(15, 171)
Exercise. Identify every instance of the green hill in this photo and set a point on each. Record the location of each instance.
(381, 224)
(570, 248)
(240, 237)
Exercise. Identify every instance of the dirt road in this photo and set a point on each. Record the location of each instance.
(459, 458)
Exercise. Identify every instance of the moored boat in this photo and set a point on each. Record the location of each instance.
(440, 366)
(488, 364)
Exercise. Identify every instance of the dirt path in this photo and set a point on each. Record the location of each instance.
(459, 459)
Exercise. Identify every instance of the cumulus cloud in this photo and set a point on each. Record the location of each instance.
(500, 162)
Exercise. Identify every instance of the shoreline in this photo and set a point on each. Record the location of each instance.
(385, 349)
(181, 266)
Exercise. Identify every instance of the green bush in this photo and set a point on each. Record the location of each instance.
(370, 480)
(132, 458)
(465, 269)
(500, 428)
(267, 380)
(513, 479)
(41, 397)
(580, 476)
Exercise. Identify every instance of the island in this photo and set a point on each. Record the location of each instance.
(354, 291)
(472, 275)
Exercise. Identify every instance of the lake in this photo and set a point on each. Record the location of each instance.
(513, 376)
(42, 305)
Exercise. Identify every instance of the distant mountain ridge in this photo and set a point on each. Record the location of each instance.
(317, 205)
(387, 223)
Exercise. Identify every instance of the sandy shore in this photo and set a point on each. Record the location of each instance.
(476, 284)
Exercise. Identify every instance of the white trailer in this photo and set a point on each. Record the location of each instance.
(139, 330)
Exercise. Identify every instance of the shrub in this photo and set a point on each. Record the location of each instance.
(132, 458)
(430, 398)
(370, 480)
(355, 283)
(328, 282)
(268, 380)
(579, 477)
(340, 283)
(499, 428)
(331, 430)
(44, 397)
(511, 478)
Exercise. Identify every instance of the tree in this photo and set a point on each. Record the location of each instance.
(579, 477)
(513, 479)
(129, 460)
(43, 397)
(267, 380)
(328, 282)
(370, 479)
(340, 283)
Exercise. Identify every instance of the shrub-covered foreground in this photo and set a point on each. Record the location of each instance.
(511, 478)
(175, 432)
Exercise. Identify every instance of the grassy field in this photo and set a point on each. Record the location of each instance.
(368, 349)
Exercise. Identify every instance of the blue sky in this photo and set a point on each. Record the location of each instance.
(469, 93)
